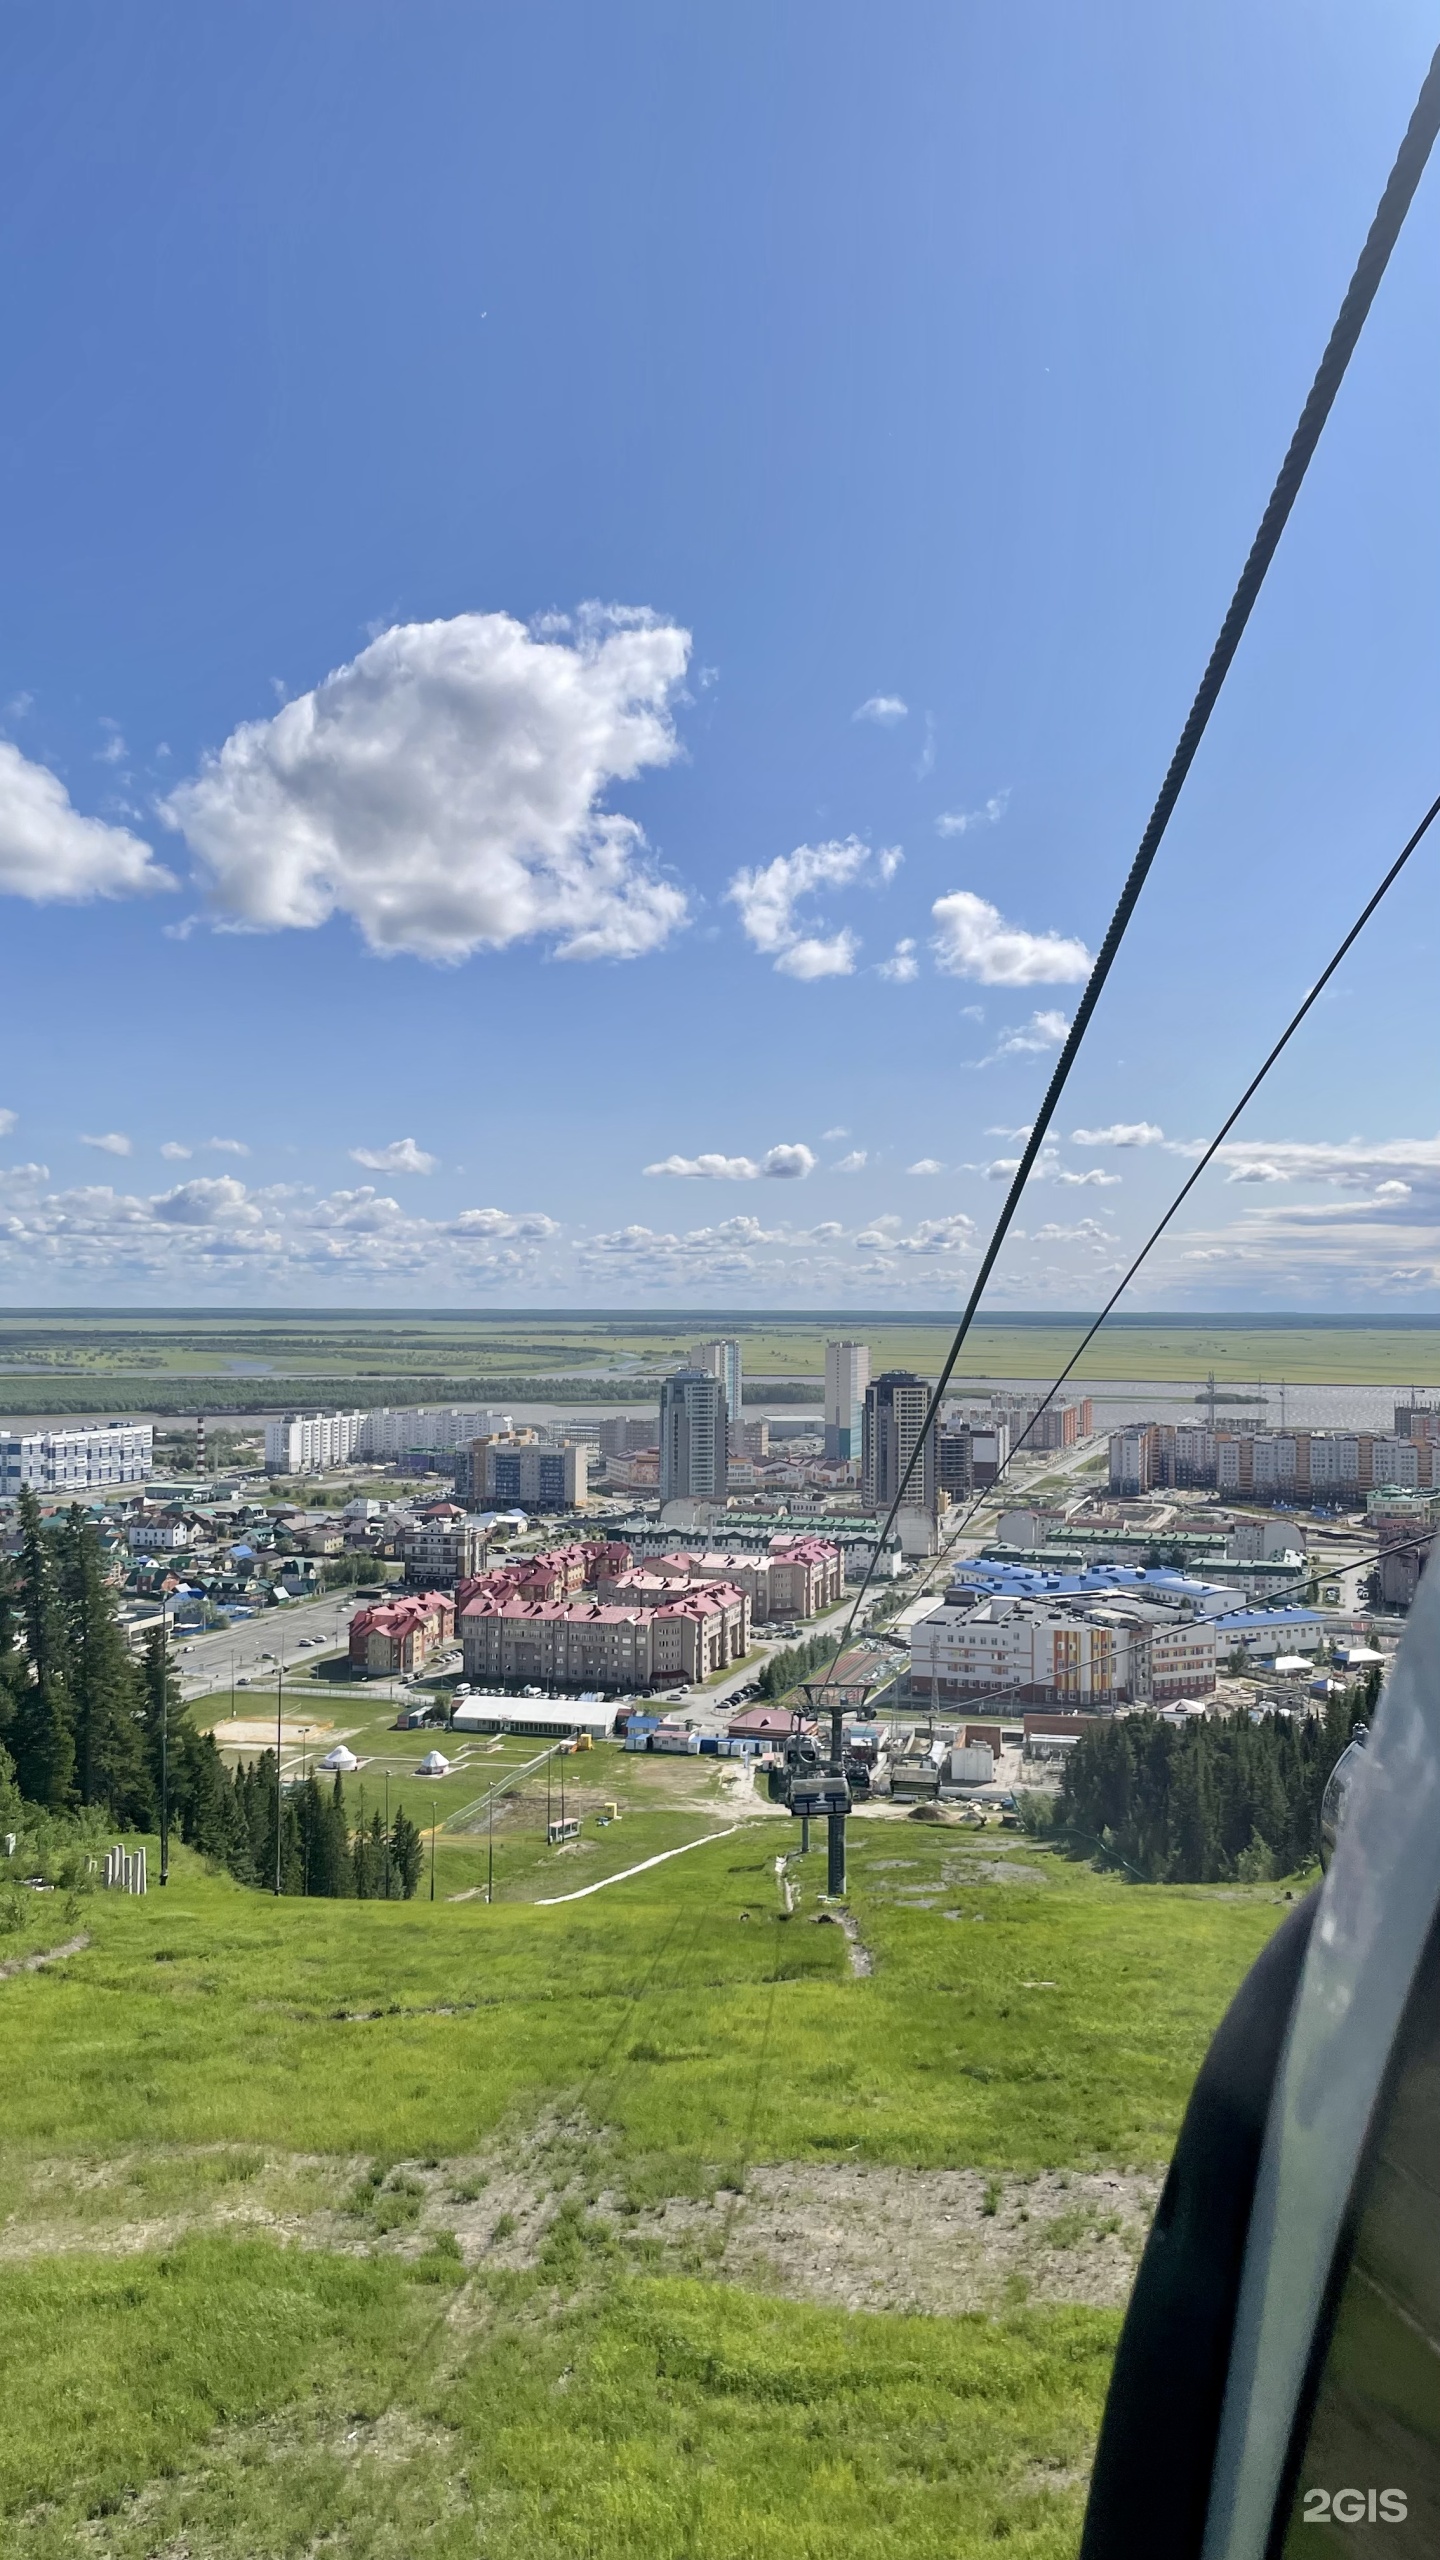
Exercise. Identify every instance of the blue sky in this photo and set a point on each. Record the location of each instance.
(597, 601)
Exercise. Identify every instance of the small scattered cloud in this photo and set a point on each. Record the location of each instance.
(925, 761)
(174, 1153)
(401, 1156)
(769, 896)
(828, 1134)
(787, 1164)
(1393, 1190)
(1258, 1171)
(1022, 1132)
(779, 1164)
(227, 1147)
(975, 941)
(114, 751)
(1095, 1180)
(1028, 1039)
(926, 1164)
(817, 957)
(901, 966)
(19, 706)
(884, 709)
(1121, 1133)
(962, 822)
(1087, 1231)
(113, 1143)
(8, 1120)
(855, 1162)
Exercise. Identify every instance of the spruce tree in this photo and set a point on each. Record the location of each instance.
(407, 1854)
(110, 1762)
(41, 1739)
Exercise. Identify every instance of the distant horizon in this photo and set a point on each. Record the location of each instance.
(1233, 1321)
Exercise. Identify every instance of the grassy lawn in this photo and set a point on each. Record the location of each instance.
(403, 2376)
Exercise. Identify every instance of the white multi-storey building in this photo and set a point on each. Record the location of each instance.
(392, 1431)
(299, 1444)
(82, 1458)
(847, 1375)
(1083, 1655)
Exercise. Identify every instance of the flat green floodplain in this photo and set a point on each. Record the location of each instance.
(245, 1361)
(180, 2380)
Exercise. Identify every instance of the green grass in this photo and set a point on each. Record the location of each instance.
(253, 2404)
(214, 2014)
(213, 2053)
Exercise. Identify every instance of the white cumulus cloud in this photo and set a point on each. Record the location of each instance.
(113, 1143)
(401, 1156)
(975, 941)
(926, 1164)
(883, 708)
(901, 966)
(769, 896)
(1121, 1133)
(49, 852)
(444, 789)
(778, 1164)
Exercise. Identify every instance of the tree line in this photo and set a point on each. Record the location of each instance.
(790, 1665)
(1218, 1799)
(91, 1736)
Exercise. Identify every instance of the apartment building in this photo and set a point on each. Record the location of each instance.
(723, 1361)
(76, 1458)
(438, 1553)
(892, 1421)
(791, 1581)
(397, 1432)
(694, 1436)
(1271, 1466)
(401, 1635)
(847, 1375)
(622, 1432)
(579, 1644)
(301, 1444)
(1402, 1525)
(525, 1475)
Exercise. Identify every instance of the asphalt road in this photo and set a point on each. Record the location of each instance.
(257, 1645)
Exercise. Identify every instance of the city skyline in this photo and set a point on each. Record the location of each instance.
(391, 922)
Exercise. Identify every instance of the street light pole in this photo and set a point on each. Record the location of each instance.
(835, 1822)
(279, 1711)
(164, 1751)
(490, 1862)
(434, 1826)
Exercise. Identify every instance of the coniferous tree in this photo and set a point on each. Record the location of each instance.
(407, 1854)
(110, 1759)
(41, 1736)
(163, 1730)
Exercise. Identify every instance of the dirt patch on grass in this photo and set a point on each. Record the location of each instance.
(934, 2240)
(853, 2237)
(49, 1955)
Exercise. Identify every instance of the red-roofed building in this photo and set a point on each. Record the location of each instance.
(580, 1644)
(401, 1635)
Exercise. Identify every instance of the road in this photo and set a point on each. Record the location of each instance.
(257, 1645)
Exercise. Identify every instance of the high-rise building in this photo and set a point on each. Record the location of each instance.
(893, 1419)
(300, 1444)
(847, 1375)
(722, 1359)
(694, 1435)
(530, 1476)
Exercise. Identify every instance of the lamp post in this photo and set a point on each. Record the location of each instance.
(279, 1711)
(434, 1827)
(490, 1861)
(164, 1752)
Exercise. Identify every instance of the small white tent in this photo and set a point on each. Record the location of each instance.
(434, 1765)
(340, 1758)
